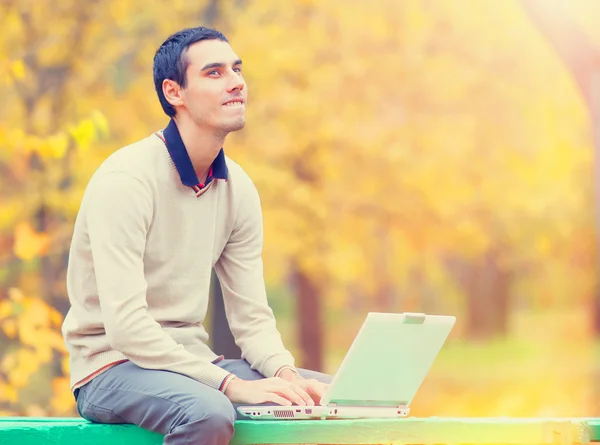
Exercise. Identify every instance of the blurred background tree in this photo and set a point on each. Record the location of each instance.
(418, 156)
(565, 28)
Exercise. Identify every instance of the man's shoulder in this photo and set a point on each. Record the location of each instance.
(238, 177)
(146, 160)
(135, 157)
(137, 165)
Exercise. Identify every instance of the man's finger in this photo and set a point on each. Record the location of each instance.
(305, 396)
(274, 398)
(316, 390)
(290, 395)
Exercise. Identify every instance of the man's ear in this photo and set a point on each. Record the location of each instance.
(172, 92)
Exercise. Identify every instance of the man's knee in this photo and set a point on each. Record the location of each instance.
(211, 418)
(221, 415)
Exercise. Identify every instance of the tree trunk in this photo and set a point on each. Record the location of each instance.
(310, 333)
(582, 59)
(487, 290)
(211, 12)
(487, 296)
(384, 298)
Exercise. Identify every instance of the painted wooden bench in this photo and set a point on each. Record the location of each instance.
(432, 430)
(593, 429)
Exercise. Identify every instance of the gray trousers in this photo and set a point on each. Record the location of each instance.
(183, 409)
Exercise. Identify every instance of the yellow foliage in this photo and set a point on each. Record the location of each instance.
(84, 133)
(5, 309)
(26, 363)
(383, 138)
(62, 397)
(16, 295)
(11, 209)
(37, 326)
(29, 243)
(17, 69)
(27, 331)
(35, 410)
(55, 146)
(8, 392)
(10, 328)
(53, 340)
(8, 362)
(56, 317)
(65, 365)
(101, 124)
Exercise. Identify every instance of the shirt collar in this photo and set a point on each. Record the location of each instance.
(182, 160)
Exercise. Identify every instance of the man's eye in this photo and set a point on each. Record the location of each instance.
(213, 72)
(237, 70)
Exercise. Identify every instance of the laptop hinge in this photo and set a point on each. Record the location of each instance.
(369, 403)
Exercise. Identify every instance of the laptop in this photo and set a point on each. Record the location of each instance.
(381, 372)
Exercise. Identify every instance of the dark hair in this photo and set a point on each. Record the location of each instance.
(171, 62)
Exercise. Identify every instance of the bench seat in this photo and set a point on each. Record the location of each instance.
(431, 430)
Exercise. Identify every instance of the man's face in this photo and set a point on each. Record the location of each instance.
(215, 95)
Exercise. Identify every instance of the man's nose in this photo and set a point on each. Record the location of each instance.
(236, 83)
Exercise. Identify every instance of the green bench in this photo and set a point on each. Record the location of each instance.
(431, 430)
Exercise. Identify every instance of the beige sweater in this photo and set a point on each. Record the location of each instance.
(140, 264)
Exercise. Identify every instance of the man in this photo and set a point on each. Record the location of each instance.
(156, 217)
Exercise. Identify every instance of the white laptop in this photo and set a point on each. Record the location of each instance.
(381, 372)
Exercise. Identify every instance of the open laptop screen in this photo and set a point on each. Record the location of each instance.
(389, 359)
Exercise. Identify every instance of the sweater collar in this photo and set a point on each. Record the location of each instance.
(183, 163)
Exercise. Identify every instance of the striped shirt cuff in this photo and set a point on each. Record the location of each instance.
(274, 363)
(284, 367)
(226, 381)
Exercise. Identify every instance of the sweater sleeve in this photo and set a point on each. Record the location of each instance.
(119, 214)
(240, 272)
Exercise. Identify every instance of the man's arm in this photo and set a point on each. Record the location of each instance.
(240, 272)
(252, 323)
(119, 214)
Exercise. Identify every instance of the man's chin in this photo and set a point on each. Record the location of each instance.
(235, 126)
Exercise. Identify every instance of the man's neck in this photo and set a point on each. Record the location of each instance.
(202, 146)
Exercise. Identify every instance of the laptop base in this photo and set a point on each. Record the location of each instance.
(322, 412)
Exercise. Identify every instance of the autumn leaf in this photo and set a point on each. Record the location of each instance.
(17, 69)
(43, 351)
(7, 392)
(84, 133)
(10, 328)
(65, 365)
(8, 362)
(101, 123)
(54, 146)
(56, 318)
(27, 332)
(5, 308)
(17, 378)
(27, 363)
(29, 244)
(48, 339)
(62, 400)
(16, 295)
(37, 312)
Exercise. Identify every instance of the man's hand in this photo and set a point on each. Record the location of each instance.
(312, 387)
(269, 390)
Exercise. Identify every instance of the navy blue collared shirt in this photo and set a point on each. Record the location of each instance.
(183, 163)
